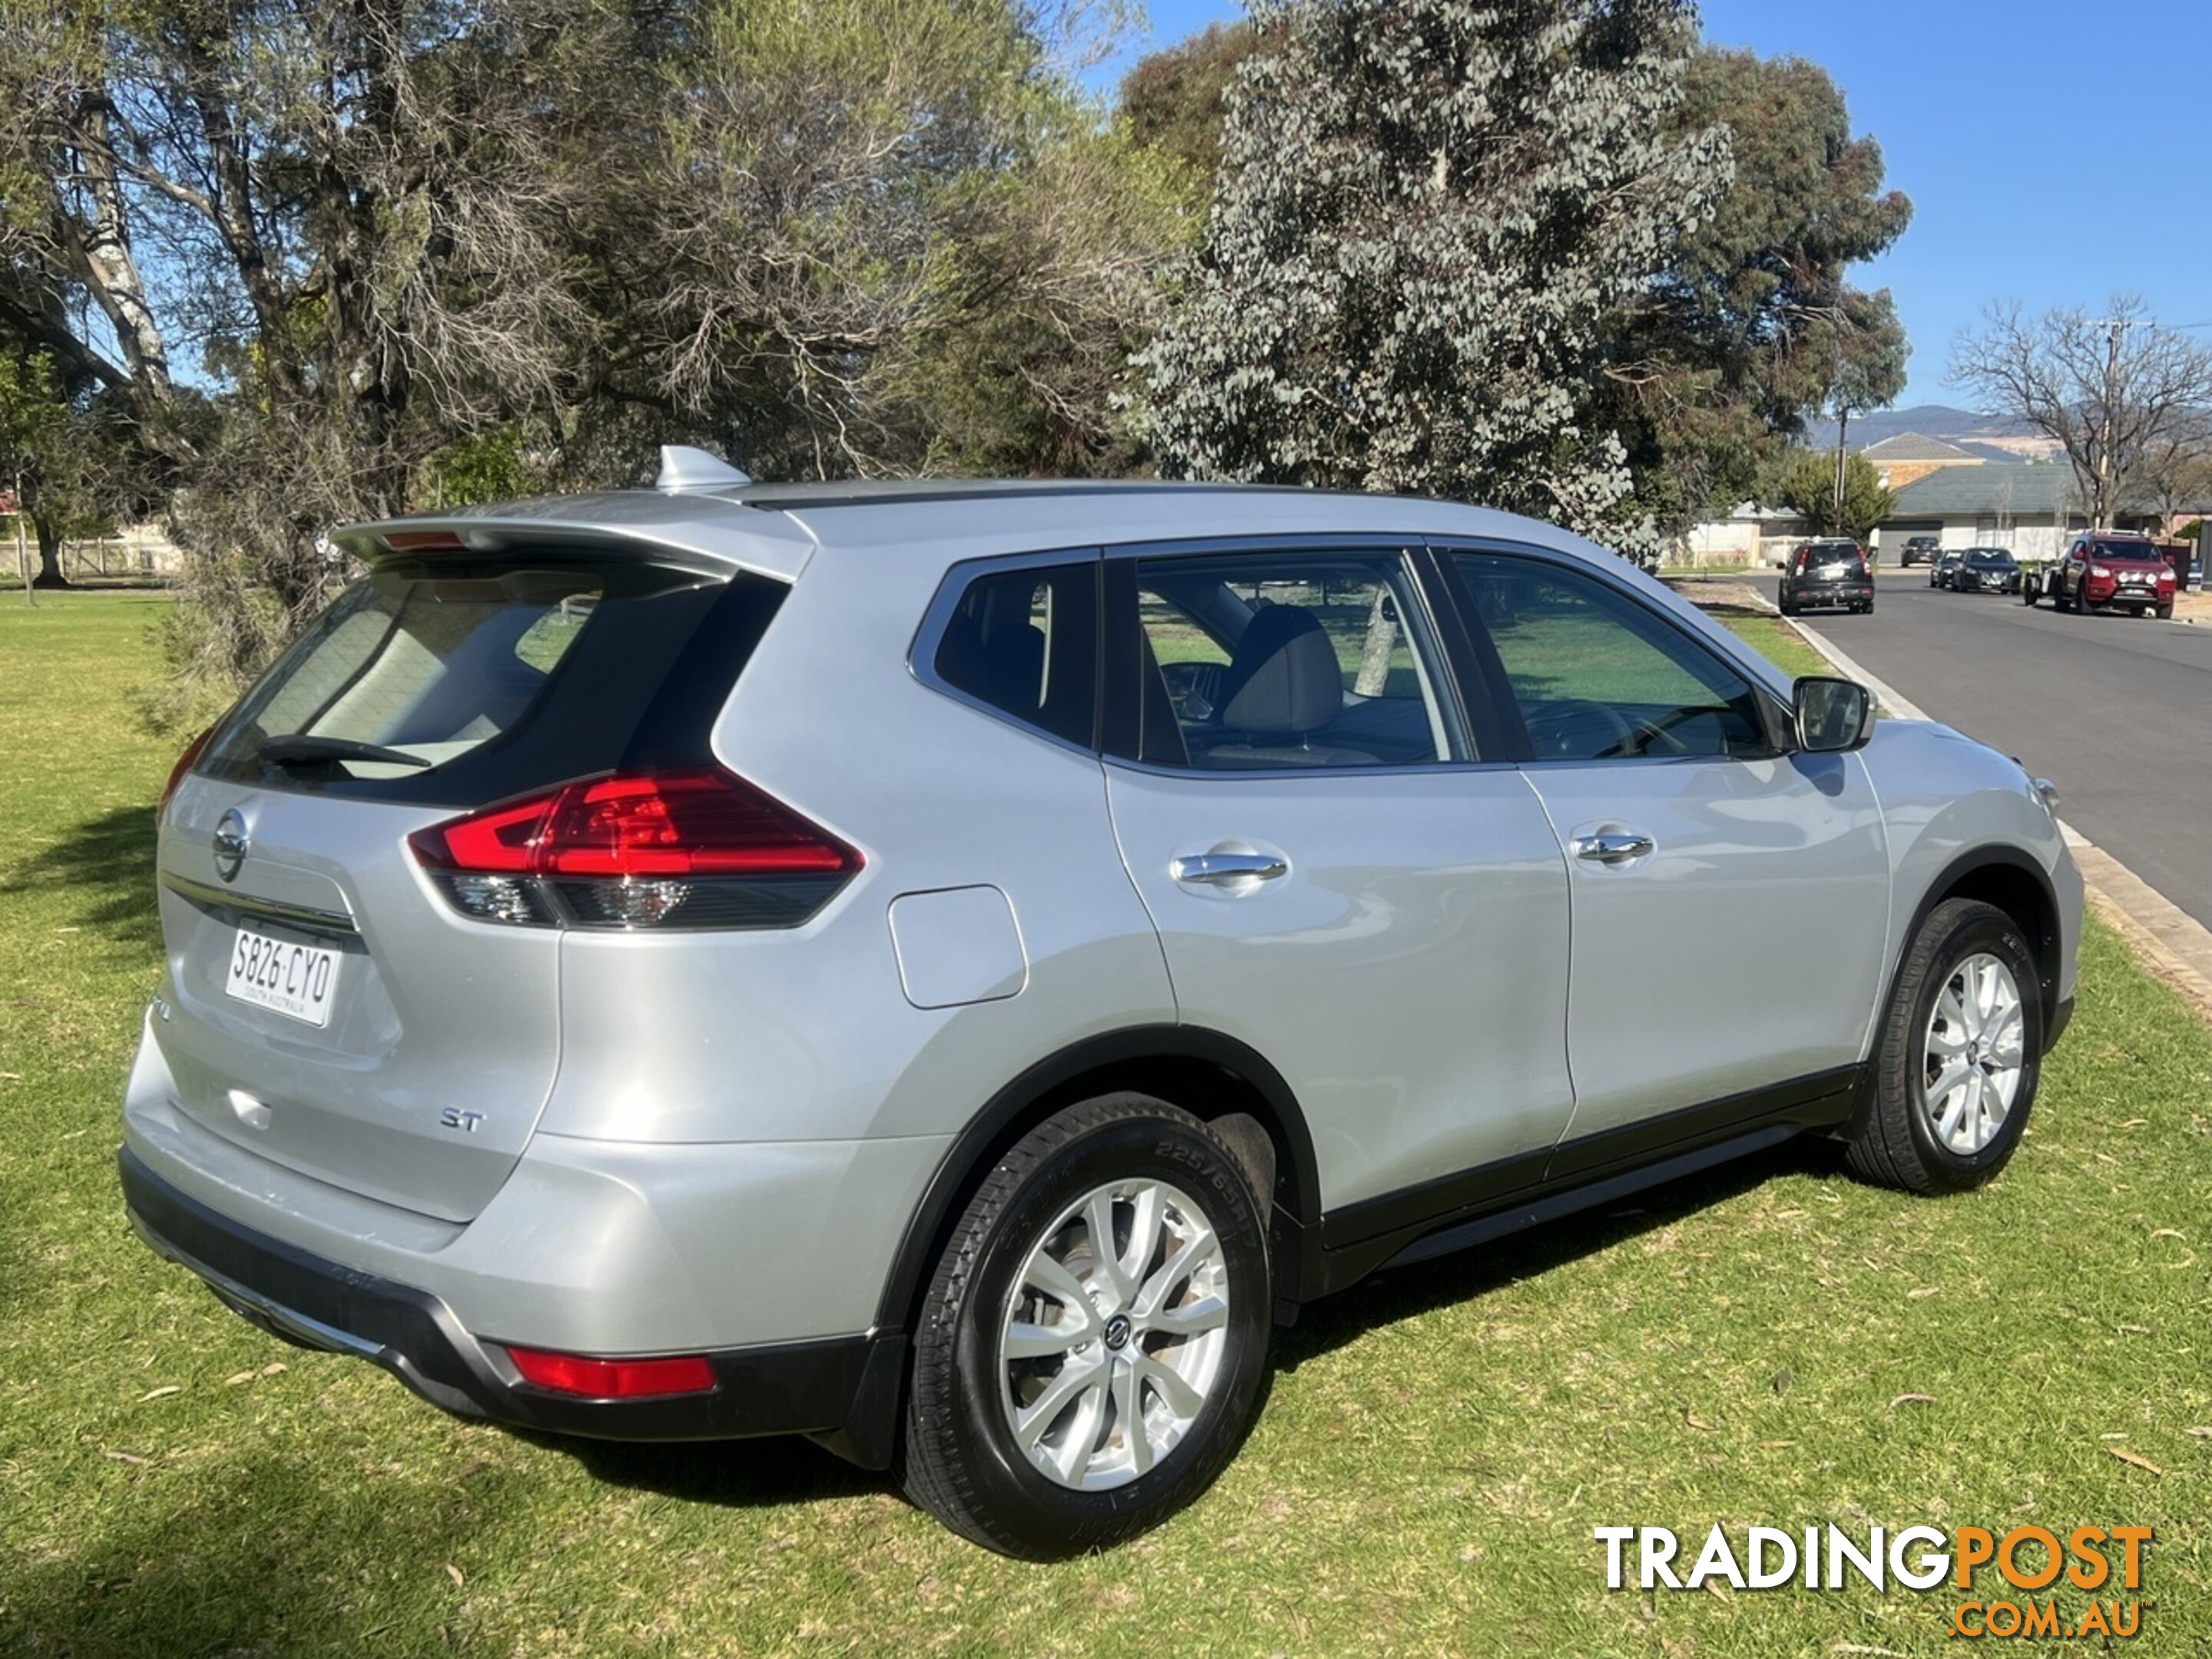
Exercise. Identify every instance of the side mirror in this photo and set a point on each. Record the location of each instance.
(1833, 716)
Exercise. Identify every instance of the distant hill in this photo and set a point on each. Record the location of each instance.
(1993, 436)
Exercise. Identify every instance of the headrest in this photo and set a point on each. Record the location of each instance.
(1283, 676)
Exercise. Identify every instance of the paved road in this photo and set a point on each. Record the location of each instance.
(2116, 711)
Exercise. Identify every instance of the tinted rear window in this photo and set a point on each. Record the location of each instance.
(459, 683)
(1025, 642)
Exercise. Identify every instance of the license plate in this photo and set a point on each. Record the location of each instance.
(296, 980)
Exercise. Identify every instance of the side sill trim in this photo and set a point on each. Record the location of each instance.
(1479, 1205)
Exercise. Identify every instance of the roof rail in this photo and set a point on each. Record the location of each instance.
(684, 469)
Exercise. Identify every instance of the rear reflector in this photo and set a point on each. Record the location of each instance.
(612, 1379)
(694, 848)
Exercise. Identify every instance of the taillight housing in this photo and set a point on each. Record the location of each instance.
(183, 768)
(696, 848)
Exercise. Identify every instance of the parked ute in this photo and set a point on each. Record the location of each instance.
(1985, 571)
(2108, 569)
(945, 969)
(1825, 573)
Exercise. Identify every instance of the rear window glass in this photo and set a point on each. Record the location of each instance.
(440, 682)
(424, 668)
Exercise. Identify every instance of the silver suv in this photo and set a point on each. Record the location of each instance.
(944, 969)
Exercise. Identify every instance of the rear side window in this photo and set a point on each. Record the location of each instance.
(451, 684)
(1024, 642)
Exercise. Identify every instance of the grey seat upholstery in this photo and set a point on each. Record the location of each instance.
(1281, 688)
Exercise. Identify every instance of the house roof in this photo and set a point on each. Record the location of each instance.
(2008, 489)
(1915, 446)
(1954, 490)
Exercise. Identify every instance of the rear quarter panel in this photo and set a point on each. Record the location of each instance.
(808, 1034)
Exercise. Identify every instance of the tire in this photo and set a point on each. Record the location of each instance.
(1900, 1144)
(960, 1459)
(2029, 593)
(2166, 613)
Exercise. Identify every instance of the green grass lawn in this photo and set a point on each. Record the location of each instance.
(1438, 1445)
(1776, 640)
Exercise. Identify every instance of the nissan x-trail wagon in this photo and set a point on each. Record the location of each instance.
(945, 970)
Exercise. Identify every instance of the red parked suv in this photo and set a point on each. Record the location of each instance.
(2105, 568)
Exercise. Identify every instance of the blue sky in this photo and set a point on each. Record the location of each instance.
(2055, 153)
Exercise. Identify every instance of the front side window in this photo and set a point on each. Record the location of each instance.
(1599, 675)
(1286, 660)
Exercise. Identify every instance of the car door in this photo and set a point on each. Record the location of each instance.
(1729, 900)
(1342, 877)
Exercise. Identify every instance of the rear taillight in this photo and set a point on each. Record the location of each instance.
(674, 849)
(182, 769)
(612, 1379)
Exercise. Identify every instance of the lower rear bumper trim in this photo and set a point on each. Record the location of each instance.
(843, 1391)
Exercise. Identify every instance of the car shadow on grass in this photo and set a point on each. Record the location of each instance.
(728, 1474)
(1397, 1293)
(106, 864)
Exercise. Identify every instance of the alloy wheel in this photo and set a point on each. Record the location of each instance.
(1114, 1333)
(1974, 1053)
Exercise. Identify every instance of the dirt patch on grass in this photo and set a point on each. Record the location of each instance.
(1722, 596)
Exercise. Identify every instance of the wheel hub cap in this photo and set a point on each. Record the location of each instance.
(1114, 1334)
(1974, 1053)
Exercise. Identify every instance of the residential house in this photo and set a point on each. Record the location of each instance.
(2031, 509)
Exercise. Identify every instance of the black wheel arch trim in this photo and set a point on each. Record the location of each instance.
(1296, 1205)
(1993, 855)
(1989, 856)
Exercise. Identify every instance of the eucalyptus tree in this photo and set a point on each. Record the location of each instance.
(1425, 212)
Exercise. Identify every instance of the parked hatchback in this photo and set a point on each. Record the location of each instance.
(1832, 572)
(945, 970)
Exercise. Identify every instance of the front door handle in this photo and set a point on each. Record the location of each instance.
(1614, 847)
(1228, 869)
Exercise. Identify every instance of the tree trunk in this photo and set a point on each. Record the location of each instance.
(51, 573)
(1375, 655)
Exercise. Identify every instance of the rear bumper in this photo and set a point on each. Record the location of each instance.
(1831, 593)
(842, 1391)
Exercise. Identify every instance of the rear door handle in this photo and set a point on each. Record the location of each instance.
(1613, 845)
(1227, 869)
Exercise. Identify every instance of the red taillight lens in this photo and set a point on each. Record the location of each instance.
(498, 841)
(683, 824)
(612, 1379)
(673, 824)
(183, 768)
(693, 848)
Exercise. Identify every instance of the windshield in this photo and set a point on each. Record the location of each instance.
(1990, 561)
(2126, 552)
